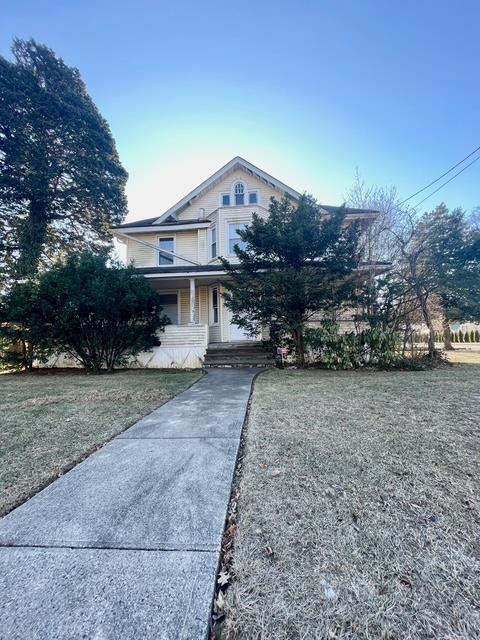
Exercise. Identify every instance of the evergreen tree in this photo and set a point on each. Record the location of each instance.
(22, 330)
(293, 265)
(452, 264)
(99, 314)
(61, 181)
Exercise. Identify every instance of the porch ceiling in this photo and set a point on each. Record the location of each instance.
(180, 282)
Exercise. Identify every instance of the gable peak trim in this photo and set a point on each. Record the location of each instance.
(209, 183)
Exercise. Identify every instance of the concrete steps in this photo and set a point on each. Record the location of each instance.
(237, 354)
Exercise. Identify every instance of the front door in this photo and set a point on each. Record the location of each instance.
(238, 333)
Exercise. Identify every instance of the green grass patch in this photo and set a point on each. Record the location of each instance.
(51, 420)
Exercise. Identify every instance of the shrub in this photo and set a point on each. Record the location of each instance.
(477, 335)
(375, 346)
(22, 336)
(98, 314)
(331, 349)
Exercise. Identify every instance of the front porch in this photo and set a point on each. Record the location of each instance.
(199, 320)
(192, 302)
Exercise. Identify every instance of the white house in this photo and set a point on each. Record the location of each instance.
(179, 251)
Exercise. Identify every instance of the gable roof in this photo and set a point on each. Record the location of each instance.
(209, 183)
(169, 217)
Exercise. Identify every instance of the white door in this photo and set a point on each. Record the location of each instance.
(238, 333)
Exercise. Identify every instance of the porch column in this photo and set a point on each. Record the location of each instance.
(192, 301)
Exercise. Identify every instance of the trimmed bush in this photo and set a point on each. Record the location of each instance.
(99, 314)
(331, 349)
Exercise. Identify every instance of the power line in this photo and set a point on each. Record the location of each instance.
(446, 181)
(440, 177)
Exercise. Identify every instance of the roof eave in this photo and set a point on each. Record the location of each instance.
(210, 182)
(161, 228)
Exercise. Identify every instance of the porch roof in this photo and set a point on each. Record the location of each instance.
(187, 270)
(217, 269)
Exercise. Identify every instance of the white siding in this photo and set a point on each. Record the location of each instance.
(211, 200)
(139, 254)
(202, 246)
(193, 335)
(201, 305)
(186, 244)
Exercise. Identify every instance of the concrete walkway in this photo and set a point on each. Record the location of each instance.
(126, 545)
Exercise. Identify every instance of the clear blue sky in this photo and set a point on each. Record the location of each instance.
(307, 90)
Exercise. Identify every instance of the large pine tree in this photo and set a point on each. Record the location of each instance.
(293, 265)
(452, 264)
(61, 181)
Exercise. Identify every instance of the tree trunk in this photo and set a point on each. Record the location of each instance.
(299, 347)
(407, 335)
(24, 355)
(32, 239)
(30, 356)
(427, 318)
(447, 335)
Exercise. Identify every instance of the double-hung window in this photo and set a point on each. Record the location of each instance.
(213, 243)
(166, 244)
(233, 237)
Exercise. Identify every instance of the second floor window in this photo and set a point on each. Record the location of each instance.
(213, 242)
(239, 194)
(252, 197)
(225, 199)
(233, 238)
(166, 244)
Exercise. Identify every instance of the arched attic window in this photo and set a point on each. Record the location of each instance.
(239, 193)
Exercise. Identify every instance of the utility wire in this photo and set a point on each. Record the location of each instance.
(446, 181)
(440, 177)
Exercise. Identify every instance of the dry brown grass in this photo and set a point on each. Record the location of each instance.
(49, 421)
(465, 355)
(365, 488)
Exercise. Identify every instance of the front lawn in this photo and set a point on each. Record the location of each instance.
(358, 514)
(464, 354)
(50, 420)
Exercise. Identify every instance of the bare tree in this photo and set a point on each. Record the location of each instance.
(397, 237)
(474, 219)
(381, 242)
